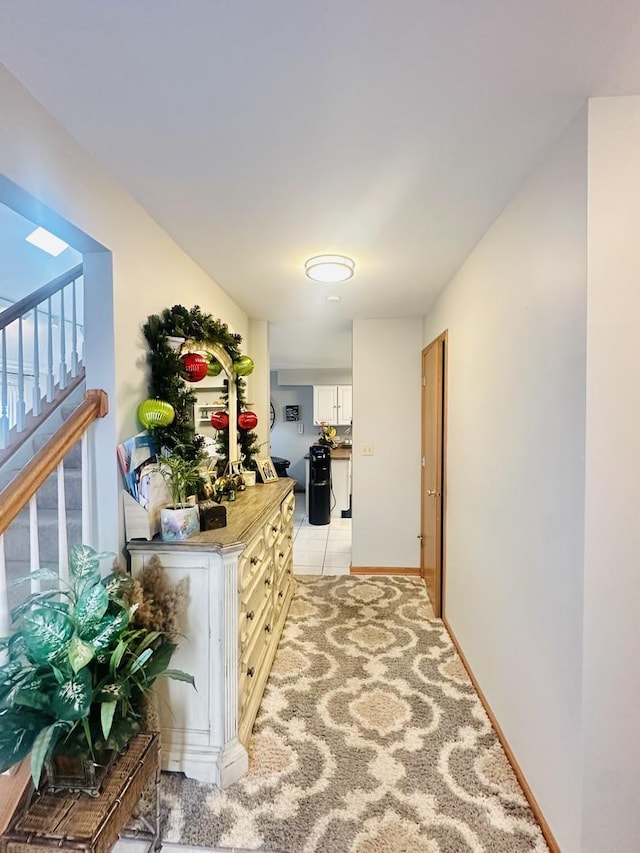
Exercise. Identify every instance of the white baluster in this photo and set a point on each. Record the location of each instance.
(34, 544)
(85, 472)
(74, 330)
(20, 416)
(51, 382)
(37, 394)
(63, 345)
(4, 411)
(5, 622)
(63, 548)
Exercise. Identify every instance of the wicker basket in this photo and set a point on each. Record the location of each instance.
(76, 823)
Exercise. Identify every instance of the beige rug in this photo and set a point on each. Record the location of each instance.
(370, 739)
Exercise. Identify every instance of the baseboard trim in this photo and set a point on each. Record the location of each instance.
(383, 570)
(535, 808)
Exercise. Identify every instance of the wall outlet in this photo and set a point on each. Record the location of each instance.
(300, 428)
(367, 449)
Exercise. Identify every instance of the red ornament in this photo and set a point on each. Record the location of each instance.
(247, 420)
(219, 420)
(194, 366)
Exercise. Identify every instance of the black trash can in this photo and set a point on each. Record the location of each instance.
(280, 465)
(319, 485)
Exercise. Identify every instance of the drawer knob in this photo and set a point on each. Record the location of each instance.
(251, 671)
(275, 529)
(267, 629)
(289, 537)
(281, 594)
(254, 561)
(288, 571)
(268, 582)
(250, 614)
(281, 553)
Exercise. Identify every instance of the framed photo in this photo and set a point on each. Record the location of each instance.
(266, 470)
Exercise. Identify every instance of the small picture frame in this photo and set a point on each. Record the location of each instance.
(266, 470)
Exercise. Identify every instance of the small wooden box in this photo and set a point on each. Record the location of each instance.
(212, 515)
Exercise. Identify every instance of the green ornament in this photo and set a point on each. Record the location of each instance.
(214, 368)
(155, 413)
(243, 366)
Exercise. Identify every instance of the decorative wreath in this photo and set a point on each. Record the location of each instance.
(166, 379)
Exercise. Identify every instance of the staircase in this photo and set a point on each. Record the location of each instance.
(41, 513)
(41, 385)
(55, 506)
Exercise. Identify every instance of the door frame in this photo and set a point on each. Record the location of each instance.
(443, 341)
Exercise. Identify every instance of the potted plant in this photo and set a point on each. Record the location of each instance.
(78, 669)
(182, 475)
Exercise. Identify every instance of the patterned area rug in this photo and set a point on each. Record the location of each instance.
(370, 739)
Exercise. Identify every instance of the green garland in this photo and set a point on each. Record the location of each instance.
(166, 379)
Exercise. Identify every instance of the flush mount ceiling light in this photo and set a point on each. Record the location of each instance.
(47, 242)
(329, 268)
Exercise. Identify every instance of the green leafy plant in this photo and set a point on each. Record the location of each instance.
(181, 475)
(78, 667)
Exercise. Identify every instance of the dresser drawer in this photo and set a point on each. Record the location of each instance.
(288, 508)
(251, 659)
(273, 528)
(283, 581)
(251, 560)
(253, 600)
(282, 551)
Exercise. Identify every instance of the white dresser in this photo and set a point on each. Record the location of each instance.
(241, 586)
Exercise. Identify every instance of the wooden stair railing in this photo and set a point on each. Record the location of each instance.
(13, 499)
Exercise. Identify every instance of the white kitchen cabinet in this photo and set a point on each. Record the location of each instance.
(241, 586)
(332, 403)
(345, 405)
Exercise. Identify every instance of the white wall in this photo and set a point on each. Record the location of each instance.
(386, 413)
(611, 596)
(259, 383)
(286, 441)
(150, 272)
(515, 488)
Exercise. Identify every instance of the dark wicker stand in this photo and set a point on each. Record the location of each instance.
(77, 823)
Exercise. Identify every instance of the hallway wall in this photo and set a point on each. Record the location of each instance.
(386, 414)
(150, 271)
(516, 315)
(611, 602)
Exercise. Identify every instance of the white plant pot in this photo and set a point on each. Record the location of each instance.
(179, 522)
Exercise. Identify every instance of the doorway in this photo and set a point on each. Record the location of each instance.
(433, 474)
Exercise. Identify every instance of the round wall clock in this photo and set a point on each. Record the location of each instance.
(272, 415)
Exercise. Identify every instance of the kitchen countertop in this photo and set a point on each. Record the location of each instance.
(337, 453)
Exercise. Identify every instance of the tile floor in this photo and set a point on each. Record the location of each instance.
(320, 549)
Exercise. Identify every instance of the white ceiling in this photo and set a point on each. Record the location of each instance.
(260, 133)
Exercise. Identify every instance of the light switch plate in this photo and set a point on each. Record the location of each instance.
(367, 449)
(300, 428)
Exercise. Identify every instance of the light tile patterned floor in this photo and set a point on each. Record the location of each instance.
(320, 549)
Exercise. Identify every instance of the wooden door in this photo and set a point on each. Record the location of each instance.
(433, 468)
